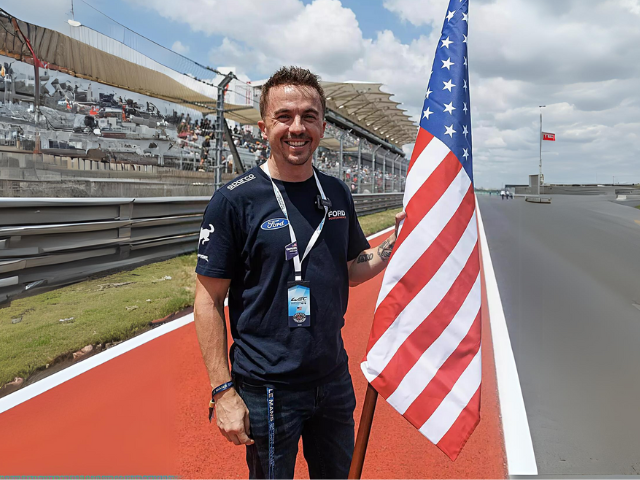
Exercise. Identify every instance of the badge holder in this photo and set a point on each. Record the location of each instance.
(299, 305)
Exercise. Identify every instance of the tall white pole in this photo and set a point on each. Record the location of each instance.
(540, 172)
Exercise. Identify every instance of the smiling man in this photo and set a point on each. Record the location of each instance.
(284, 241)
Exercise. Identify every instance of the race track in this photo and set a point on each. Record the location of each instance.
(144, 413)
(569, 278)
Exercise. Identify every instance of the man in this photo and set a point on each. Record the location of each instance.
(285, 242)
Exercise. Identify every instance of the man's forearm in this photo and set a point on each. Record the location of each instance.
(371, 262)
(212, 337)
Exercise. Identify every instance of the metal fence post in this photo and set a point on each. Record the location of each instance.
(373, 169)
(359, 163)
(340, 159)
(384, 172)
(220, 127)
(393, 173)
(404, 177)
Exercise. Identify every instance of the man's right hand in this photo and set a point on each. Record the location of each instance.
(232, 417)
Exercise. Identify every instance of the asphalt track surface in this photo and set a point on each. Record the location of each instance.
(569, 276)
(144, 413)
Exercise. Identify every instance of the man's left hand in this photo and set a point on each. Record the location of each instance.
(399, 219)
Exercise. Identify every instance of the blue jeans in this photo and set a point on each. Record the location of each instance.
(322, 416)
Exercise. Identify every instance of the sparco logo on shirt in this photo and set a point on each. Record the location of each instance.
(241, 181)
(336, 214)
(274, 224)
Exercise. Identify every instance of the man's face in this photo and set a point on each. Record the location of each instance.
(293, 123)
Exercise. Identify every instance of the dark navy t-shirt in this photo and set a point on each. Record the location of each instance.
(242, 238)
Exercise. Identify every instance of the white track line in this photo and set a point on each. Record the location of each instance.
(73, 371)
(521, 458)
(381, 232)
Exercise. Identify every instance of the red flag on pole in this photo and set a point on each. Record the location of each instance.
(424, 352)
(549, 136)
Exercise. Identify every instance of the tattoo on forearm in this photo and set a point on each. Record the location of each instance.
(385, 249)
(364, 257)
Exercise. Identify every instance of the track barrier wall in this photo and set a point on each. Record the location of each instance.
(50, 242)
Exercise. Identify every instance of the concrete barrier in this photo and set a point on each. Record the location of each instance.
(534, 199)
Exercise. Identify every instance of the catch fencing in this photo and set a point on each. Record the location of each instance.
(49, 242)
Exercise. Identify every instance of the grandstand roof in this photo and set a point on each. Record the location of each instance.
(78, 59)
(366, 105)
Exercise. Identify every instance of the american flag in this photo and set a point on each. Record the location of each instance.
(424, 350)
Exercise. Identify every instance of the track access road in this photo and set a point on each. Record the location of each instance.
(569, 280)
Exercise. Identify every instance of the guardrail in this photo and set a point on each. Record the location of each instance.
(49, 242)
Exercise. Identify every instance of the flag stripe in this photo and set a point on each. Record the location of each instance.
(415, 241)
(428, 195)
(429, 399)
(428, 160)
(431, 326)
(454, 403)
(453, 441)
(428, 264)
(437, 337)
(422, 140)
(421, 305)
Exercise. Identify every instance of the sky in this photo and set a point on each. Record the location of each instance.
(577, 57)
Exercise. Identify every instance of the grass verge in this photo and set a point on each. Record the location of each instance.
(378, 221)
(102, 310)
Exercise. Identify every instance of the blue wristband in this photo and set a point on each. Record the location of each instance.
(220, 388)
(214, 392)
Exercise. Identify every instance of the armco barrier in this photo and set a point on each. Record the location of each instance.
(48, 242)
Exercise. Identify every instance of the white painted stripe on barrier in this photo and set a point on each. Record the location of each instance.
(521, 459)
(58, 378)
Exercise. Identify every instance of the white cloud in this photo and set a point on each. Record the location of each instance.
(577, 57)
(323, 35)
(178, 47)
(417, 12)
(632, 5)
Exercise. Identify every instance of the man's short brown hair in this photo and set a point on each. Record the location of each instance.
(291, 76)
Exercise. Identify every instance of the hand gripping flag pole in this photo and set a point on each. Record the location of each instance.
(424, 354)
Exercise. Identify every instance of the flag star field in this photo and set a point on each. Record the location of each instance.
(446, 114)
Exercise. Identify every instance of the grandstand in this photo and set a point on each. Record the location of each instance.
(97, 104)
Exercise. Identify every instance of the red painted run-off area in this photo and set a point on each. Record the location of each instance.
(145, 413)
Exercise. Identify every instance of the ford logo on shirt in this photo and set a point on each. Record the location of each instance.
(274, 224)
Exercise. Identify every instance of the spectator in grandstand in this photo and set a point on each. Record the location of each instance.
(204, 155)
(289, 372)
